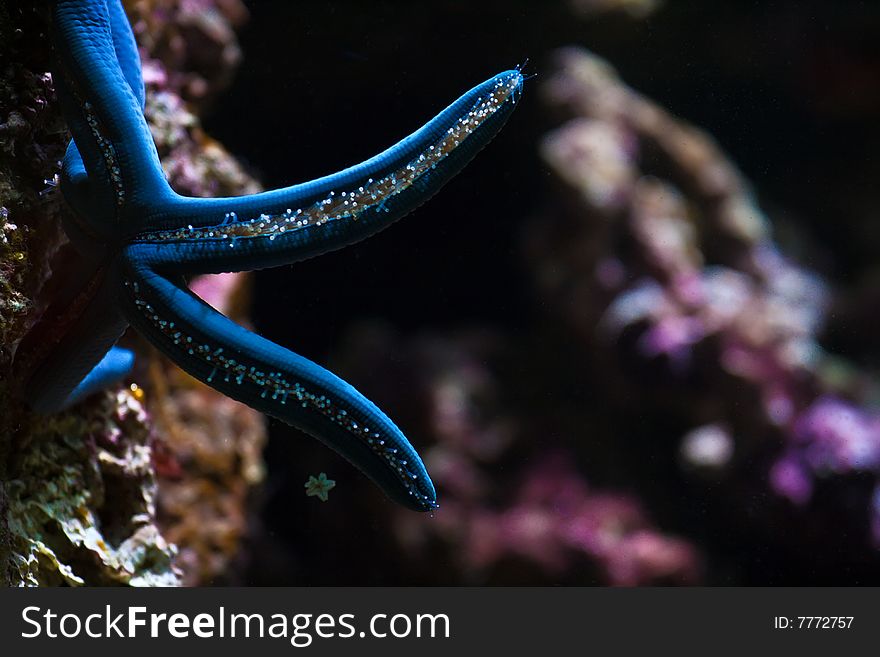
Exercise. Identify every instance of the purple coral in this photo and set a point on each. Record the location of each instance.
(702, 292)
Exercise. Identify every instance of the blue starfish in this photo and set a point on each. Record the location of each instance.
(137, 241)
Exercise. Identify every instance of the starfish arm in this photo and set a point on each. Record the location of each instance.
(77, 192)
(74, 179)
(126, 50)
(114, 366)
(295, 223)
(103, 111)
(272, 379)
(71, 338)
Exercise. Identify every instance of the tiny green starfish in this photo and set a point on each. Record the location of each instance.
(319, 486)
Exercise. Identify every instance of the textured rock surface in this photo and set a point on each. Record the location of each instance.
(82, 499)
